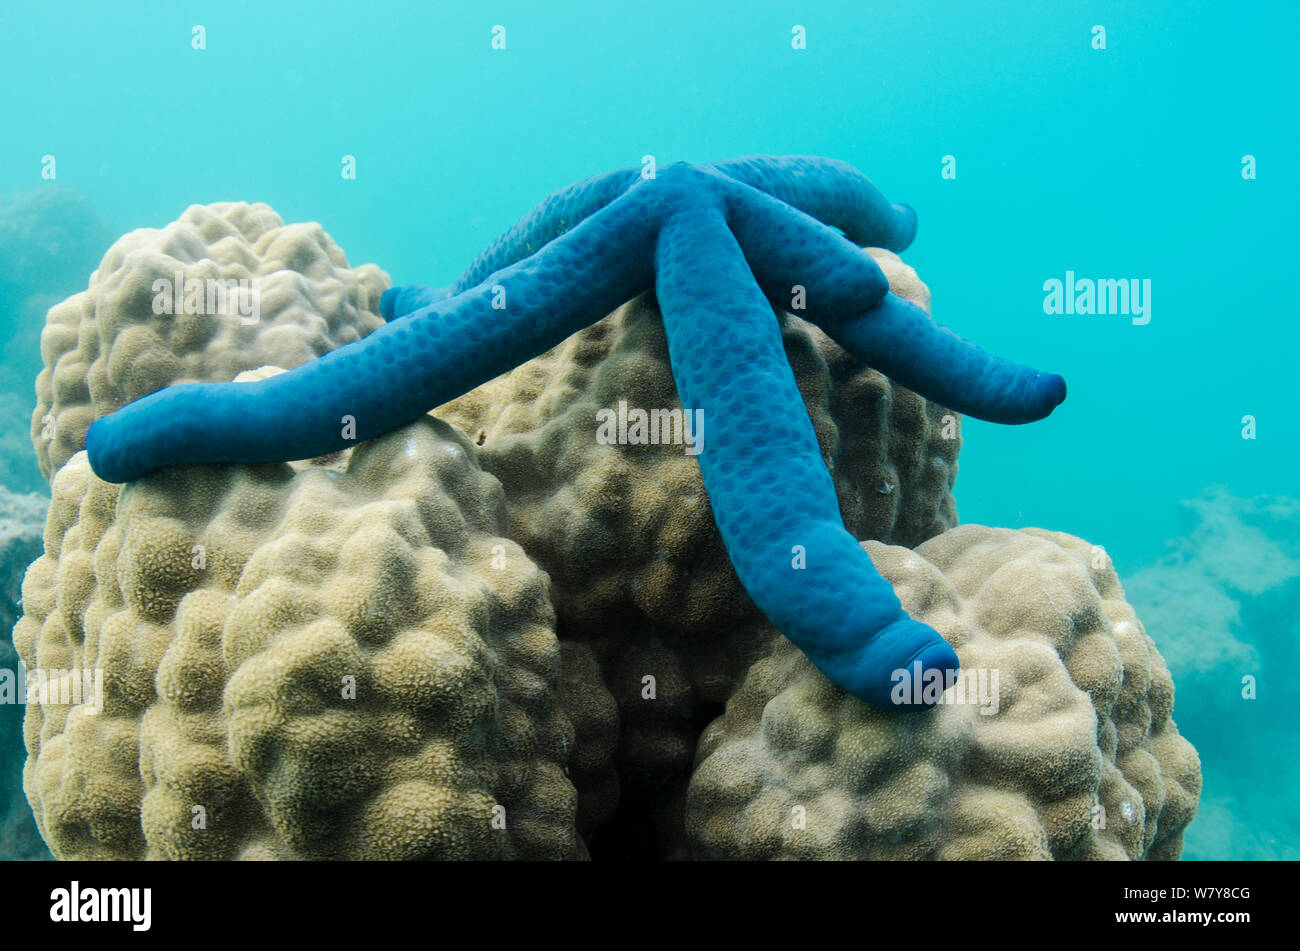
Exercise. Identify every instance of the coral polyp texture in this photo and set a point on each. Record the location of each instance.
(226, 288)
(1070, 753)
(720, 244)
(310, 662)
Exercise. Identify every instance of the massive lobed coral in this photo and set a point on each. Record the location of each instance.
(125, 336)
(405, 570)
(642, 583)
(322, 662)
(1056, 742)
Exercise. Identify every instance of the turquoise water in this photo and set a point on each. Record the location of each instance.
(1117, 163)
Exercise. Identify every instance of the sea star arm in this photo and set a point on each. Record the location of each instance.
(557, 214)
(395, 373)
(772, 496)
(831, 191)
(847, 296)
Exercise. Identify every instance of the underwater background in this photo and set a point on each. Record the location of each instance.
(1028, 152)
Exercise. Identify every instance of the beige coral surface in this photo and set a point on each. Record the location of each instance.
(110, 345)
(297, 663)
(1056, 742)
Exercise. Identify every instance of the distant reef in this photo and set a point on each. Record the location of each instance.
(50, 239)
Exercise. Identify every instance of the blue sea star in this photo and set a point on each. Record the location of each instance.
(721, 244)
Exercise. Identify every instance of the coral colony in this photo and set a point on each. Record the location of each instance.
(511, 628)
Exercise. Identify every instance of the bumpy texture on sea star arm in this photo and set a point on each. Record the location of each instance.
(847, 296)
(772, 497)
(831, 191)
(393, 375)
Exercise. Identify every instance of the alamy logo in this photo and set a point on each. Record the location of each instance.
(53, 687)
(1123, 297)
(639, 427)
(209, 296)
(103, 905)
(970, 686)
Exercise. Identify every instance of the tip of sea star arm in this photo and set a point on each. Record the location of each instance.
(1053, 387)
(98, 452)
(905, 227)
(902, 341)
(905, 667)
